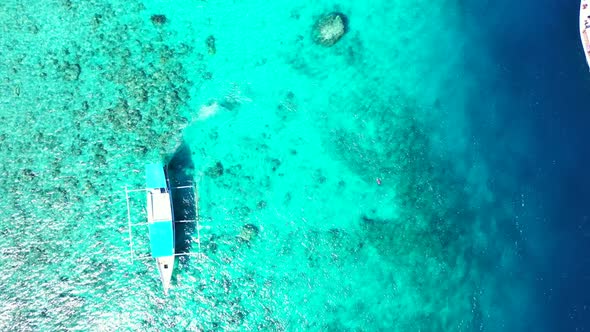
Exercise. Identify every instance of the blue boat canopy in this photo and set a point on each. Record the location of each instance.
(155, 177)
(161, 238)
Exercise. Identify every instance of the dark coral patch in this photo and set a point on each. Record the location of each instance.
(159, 19)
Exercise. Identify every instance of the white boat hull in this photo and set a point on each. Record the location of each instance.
(585, 28)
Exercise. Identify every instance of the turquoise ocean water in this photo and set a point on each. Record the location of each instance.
(278, 133)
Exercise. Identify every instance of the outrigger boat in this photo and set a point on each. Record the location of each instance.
(585, 28)
(160, 220)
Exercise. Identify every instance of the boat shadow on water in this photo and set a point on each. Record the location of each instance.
(180, 173)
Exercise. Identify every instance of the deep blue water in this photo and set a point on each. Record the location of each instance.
(537, 50)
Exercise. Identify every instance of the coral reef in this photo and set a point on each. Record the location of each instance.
(158, 19)
(329, 29)
(210, 42)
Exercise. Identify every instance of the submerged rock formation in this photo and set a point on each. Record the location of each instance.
(71, 71)
(211, 45)
(215, 171)
(248, 233)
(329, 28)
(158, 19)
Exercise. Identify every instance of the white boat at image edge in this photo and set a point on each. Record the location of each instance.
(584, 28)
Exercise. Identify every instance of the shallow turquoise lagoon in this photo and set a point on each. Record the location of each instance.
(286, 141)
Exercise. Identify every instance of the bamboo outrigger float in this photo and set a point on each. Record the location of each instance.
(160, 221)
(585, 28)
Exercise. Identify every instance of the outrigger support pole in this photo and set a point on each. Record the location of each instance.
(197, 217)
(129, 223)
